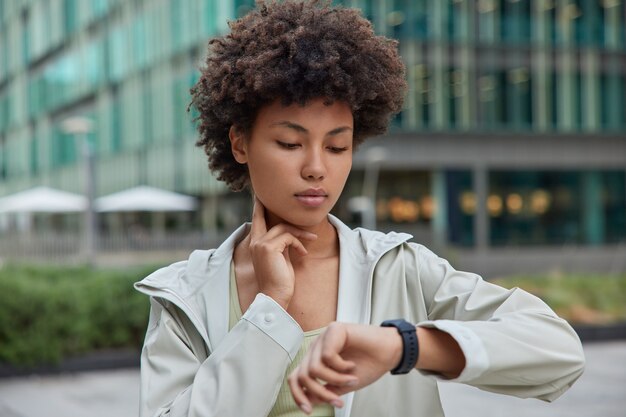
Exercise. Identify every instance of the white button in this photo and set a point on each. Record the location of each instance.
(269, 317)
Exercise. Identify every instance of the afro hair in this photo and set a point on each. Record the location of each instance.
(294, 51)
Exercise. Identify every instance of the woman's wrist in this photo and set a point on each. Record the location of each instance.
(396, 347)
(439, 352)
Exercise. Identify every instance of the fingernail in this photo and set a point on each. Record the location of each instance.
(306, 408)
(351, 383)
(337, 403)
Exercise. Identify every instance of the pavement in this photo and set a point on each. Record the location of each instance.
(600, 392)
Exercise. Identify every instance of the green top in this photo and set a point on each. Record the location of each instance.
(284, 406)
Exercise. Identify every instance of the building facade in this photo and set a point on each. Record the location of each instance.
(513, 133)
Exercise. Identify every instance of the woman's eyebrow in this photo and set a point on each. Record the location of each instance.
(291, 125)
(339, 130)
(302, 129)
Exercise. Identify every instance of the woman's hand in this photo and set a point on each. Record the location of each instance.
(269, 250)
(346, 357)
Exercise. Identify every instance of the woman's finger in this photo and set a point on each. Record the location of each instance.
(298, 394)
(279, 244)
(282, 228)
(332, 342)
(314, 387)
(318, 368)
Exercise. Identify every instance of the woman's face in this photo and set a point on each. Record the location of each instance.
(299, 158)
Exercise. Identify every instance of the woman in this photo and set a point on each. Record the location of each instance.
(283, 101)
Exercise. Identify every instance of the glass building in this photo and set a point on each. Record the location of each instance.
(513, 132)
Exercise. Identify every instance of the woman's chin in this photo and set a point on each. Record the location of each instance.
(302, 220)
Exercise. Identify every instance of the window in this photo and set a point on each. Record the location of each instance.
(70, 13)
(515, 20)
(34, 156)
(63, 150)
(461, 205)
(116, 124)
(530, 207)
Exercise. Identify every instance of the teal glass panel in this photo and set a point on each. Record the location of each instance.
(63, 148)
(407, 19)
(553, 105)
(589, 25)
(140, 44)
(209, 16)
(192, 113)
(614, 205)
(99, 7)
(117, 43)
(535, 207)
(70, 16)
(182, 119)
(8, 106)
(554, 25)
(242, 7)
(461, 206)
(95, 64)
(4, 111)
(25, 42)
(424, 91)
(452, 99)
(177, 25)
(456, 20)
(515, 99)
(612, 100)
(116, 125)
(3, 157)
(515, 21)
(147, 108)
(5, 51)
(32, 95)
(60, 79)
(34, 156)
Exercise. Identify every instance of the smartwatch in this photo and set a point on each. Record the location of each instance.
(410, 346)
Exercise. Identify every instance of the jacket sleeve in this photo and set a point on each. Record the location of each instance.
(241, 377)
(512, 341)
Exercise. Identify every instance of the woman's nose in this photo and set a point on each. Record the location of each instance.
(314, 166)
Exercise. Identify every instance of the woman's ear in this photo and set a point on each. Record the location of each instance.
(238, 145)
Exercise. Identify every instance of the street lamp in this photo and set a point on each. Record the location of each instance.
(79, 128)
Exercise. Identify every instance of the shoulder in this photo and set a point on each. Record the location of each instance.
(183, 278)
(187, 277)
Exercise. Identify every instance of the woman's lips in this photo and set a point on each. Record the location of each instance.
(312, 198)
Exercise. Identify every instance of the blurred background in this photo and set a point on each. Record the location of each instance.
(510, 152)
(508, 159)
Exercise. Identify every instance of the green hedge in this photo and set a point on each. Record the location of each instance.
(51, 313)
(578, 298)
(47, 314)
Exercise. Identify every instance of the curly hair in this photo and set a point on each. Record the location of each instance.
(294, 51)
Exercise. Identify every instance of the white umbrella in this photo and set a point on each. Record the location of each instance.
(144, 198)
(42, 200)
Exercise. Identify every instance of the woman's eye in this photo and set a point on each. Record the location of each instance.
(287, 145)
(336, 149)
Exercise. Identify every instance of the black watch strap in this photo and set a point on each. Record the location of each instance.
(410, 350)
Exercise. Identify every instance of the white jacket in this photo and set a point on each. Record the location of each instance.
(193, 366)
